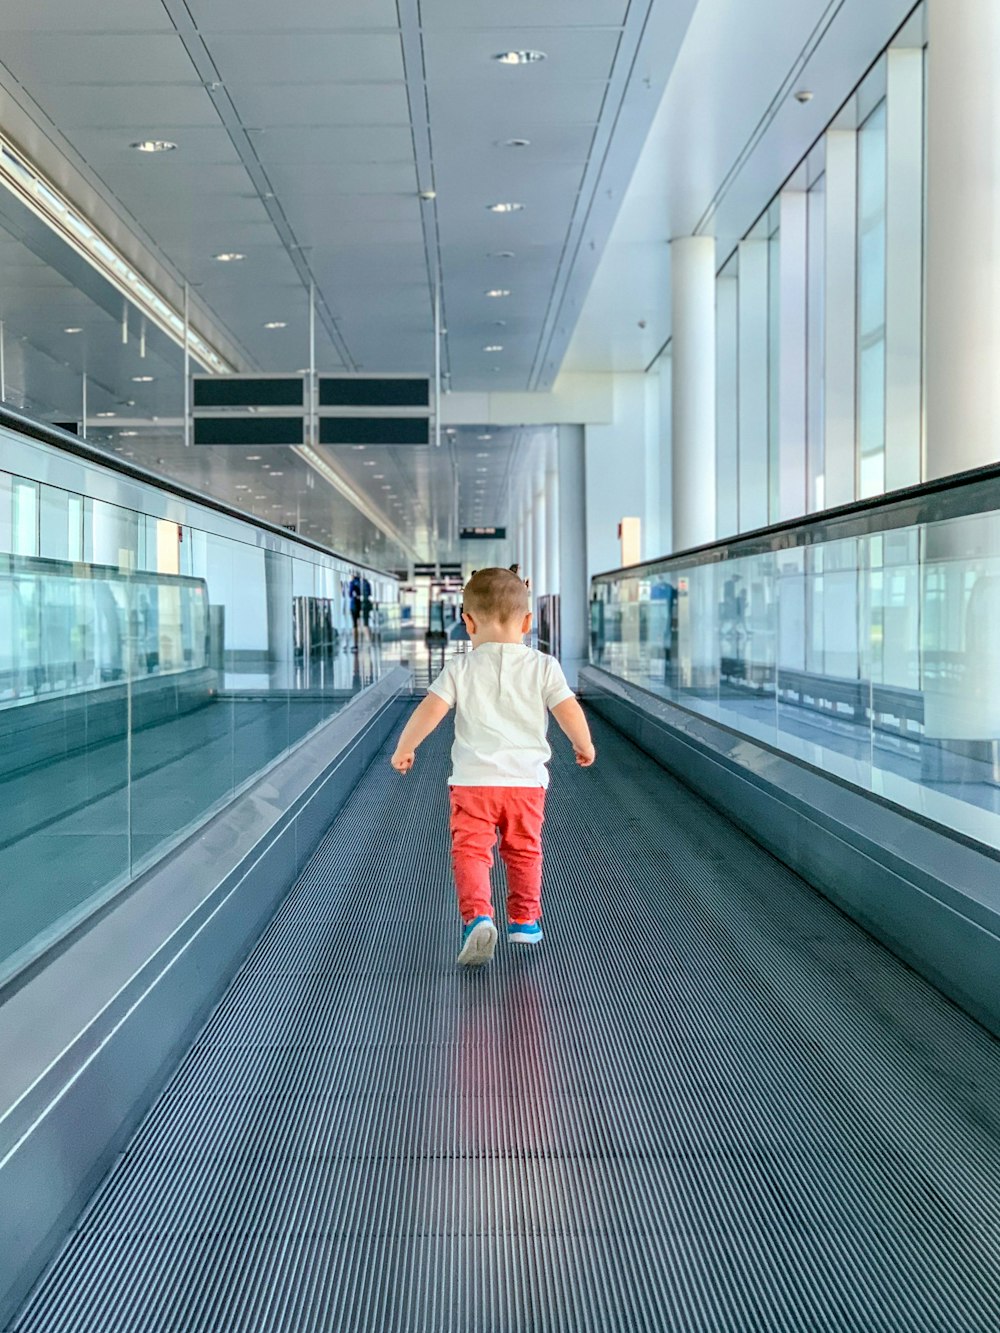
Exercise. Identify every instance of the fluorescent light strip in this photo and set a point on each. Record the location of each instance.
(364, 506)
(49, 205)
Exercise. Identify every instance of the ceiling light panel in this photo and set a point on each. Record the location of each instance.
(337, 106)
(521, 17)
(330, 56)
(318, 15)
(48, 58)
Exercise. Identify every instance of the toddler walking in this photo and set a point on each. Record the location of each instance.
(502, 693)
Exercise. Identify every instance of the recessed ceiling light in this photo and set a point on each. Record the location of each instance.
(480, 469)
(484, 437)
(387, 487)
(276, 474)
(260, 497)
(154, 146)
(428, 194)
(143, 379)
(378, 475)
(242, 488)
(253, 458)
(107, 414)
(129, 432)
(519, 57)
(359, 447)
(370, 462)
(229, 257)
(517, 143)
(482, 454)
(493, 347)
(276, 324)
(73, 330)
(498, 291)
(505, 208)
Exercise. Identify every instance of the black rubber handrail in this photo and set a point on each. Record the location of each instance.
(46, 433)
(963, 494)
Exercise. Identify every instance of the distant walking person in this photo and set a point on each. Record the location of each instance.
(502, 693)
(360, 594)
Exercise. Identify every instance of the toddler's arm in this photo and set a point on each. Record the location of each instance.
(573, 721)
(424, 718)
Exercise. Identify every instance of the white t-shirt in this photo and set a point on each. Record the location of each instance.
(501, 693)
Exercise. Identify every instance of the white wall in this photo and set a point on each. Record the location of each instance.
(621, 478)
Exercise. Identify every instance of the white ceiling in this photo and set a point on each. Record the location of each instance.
(306, 131)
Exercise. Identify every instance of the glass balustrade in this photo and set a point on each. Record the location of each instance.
(865, 644)
(149, 668)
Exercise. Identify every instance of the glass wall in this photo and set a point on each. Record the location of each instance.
(871, 231)
(865, 646)
(816, 346)
(856, 285)
(150, 668)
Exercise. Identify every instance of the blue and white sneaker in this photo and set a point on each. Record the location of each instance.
(524, 932)
(478, 942)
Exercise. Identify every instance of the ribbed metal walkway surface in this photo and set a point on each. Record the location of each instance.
(707, 1102)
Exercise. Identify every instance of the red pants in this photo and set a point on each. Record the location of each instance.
(476, 815)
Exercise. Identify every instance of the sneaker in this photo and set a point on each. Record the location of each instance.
(524, 932)
(478, 942)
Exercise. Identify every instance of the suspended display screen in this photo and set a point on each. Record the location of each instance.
(483, 534)
(374, 430)
(248, 391)
(234, 429)
(364, 391)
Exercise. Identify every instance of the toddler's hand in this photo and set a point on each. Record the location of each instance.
(402, 760)
(586, 757)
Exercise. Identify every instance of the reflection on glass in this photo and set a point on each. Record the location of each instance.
(147, 672)
(875, 657)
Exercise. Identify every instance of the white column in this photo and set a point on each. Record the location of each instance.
(792, 355)
(528, 555)
(552, 512)
(904, 245)
(963, 236)
(652, 539)
(727, 463)
(665, 497)
(574, 593)
(692, 282)
(752, 382)
(539, 571)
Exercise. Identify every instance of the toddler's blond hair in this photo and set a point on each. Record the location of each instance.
(497, 596)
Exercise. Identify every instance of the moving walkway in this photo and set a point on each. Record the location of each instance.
(708, 1101)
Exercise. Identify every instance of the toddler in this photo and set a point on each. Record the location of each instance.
(502, 693)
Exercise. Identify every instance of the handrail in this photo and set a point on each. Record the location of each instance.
(46, 433)
(955, 496)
